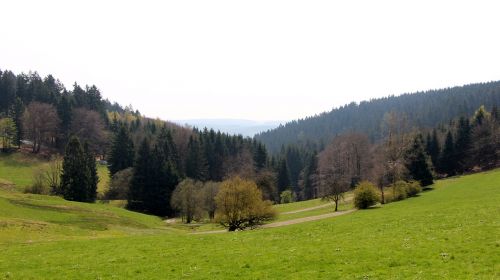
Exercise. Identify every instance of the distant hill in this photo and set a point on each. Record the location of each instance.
(232, 126)
(423, 109)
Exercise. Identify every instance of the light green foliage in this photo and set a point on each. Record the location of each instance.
(8, 133)
(287, 197)
(413, 188)
(365, 195)
(450, 232)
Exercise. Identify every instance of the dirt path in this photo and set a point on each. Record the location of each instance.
(290, 222)
(308, 209)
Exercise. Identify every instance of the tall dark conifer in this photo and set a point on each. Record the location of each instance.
(92, 177)
(122, 151)
(283, 176)
(196, 163)
(418, 164)
(75, 174)
(463, 145)
(447, 162)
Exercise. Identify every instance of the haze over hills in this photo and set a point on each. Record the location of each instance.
(232, 126)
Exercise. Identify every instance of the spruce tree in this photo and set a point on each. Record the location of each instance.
(122, 151)
(447, 161)
(259, 156)
(433, 147)
(463, 145)
(196, 163)
(167, 147)
(283, 176)
(142, 173)
(153, 182)
(418, 164)
(75, 173)
(92, 177)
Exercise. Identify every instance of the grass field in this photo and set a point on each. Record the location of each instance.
(451, 232)
(17, 169)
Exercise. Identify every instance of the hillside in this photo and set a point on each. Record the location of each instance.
(423, 109)
(450, 232)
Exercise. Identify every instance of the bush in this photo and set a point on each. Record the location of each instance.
(365, 195)
(287, 197)
(120, 184)
(413, 188)
(240, 205)
(399, 191)
(38, 186)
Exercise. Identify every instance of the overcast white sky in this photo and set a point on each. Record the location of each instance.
(259, 60)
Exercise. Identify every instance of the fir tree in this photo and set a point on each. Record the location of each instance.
(417, 162)
(75, 174)
(196, 163)
(447, 161)
(259, 156)
(142, 173)
(283, 176)
(433, 147)
(92, 177)
(463, 144)
(122, 151)
(153, 182)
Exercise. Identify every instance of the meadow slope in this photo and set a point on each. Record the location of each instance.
(448, 233)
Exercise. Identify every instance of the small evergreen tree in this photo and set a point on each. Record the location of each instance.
(75, 173)
(418, 164)
(283, 176)
(92, 177)
(122, 151)
(447, 161)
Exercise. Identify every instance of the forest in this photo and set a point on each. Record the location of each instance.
(397, 143)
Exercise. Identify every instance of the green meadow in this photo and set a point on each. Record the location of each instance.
(449, 232)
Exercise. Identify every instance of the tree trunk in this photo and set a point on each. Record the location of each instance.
(382, 193)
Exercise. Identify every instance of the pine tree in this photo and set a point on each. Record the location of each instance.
(92, 177)
(196, 163)
(153, 182)
(283, 176)
(167, 147)
(259, 156)
(75, 174)
(418, 164)
(309, 179)
(447, 161)
(122, 151)
(463, 145)
(142, 173)
(433, 147)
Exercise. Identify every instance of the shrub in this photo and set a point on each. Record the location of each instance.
(186, 198)
(287, 197)
(240, 205)
(399, 191)
(38, 186)
(365, 195)
(413, 188)
(120, 184)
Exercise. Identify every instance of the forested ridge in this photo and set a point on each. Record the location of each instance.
(401, 143)
(425, 109)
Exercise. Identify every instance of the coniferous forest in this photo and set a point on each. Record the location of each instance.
(387, 141)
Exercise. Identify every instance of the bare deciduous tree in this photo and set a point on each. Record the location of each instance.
(40, 122)
(53, 173)
(88, 127)
(342, 165)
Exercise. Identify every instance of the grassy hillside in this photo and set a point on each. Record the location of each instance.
(17, 169)
(450, 232)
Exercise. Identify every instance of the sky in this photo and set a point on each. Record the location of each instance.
(257, 60)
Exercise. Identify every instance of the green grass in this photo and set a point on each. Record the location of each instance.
(451, 232)
(18, 168)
